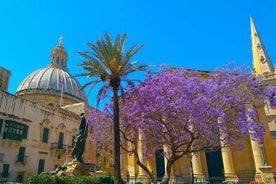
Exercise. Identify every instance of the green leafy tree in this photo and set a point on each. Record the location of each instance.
(108, 61)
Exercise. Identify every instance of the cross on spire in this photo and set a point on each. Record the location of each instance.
(60, 41)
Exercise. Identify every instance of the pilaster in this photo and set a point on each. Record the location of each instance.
(197, 167)
(228, 164)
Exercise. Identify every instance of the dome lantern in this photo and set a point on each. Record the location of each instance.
(59, 56)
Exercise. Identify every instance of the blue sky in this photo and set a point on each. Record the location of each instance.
(197, 34)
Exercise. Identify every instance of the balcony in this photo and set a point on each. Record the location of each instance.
(12, 136)
(56, 145)
(2, 157)
(21, 160)
(57, 149)
(5, 175)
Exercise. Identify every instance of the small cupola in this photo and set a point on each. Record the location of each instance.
(59, 56)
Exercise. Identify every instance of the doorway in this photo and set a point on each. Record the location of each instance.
(160, 164)
(215, 166)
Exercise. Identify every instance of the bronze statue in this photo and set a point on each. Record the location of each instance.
(80, 139)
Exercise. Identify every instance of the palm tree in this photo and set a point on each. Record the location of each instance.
(107, 61)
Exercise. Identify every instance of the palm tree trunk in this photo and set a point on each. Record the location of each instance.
(116, 128)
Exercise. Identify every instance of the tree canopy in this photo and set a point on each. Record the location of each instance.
(190, 111)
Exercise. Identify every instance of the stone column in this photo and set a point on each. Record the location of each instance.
(257, 157)
(130, 167)
(227, 157)
(228, 164)
(197, 167)
(166, 152)
(142, 176)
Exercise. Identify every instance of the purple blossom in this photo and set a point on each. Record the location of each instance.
(270, 93)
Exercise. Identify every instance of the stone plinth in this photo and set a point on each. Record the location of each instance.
(73, 168)
(267, 174)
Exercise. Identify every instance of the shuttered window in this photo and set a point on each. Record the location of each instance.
(45, 135)
(41, 165)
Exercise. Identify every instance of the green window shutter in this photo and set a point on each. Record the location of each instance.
(15, 131)
(41, 165)
(25, 132)
(273, 134)
(60, 140)
(5, 172)
(21, 154)
(45, 135)
(1, 124)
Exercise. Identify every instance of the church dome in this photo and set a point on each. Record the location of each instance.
(53, 80)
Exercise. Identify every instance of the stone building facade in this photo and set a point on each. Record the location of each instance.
(39, 122)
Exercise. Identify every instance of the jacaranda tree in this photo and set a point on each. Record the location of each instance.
(108, 61)
(189, 111)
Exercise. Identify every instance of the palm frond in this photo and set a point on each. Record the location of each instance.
(132, 81)
(101, 92)
(92, 84)
(131, 52)
(133, 68)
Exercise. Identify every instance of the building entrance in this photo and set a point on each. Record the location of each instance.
(160, 164)
(215, 166)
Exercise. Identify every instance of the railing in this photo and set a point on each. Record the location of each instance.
(56, 145)
(2, 156)
(246, 179)
(22, 159)
(5, 175)
(12, 136)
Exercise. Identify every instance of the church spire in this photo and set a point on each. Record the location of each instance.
(262, 64)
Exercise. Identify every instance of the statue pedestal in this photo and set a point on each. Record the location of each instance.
(74, 168)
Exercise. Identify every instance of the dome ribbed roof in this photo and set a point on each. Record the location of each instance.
(53, 79)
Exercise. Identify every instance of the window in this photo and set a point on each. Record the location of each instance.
(273, 134)
(57, 60)
(2, 156)
(1, 123)
(41, 165)
(60, 140)
(15, 131)
(19, 178)
(25, 132)
(262, 59)
(5, 171)
(45, 135)
(21, 154)
(259, 46)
